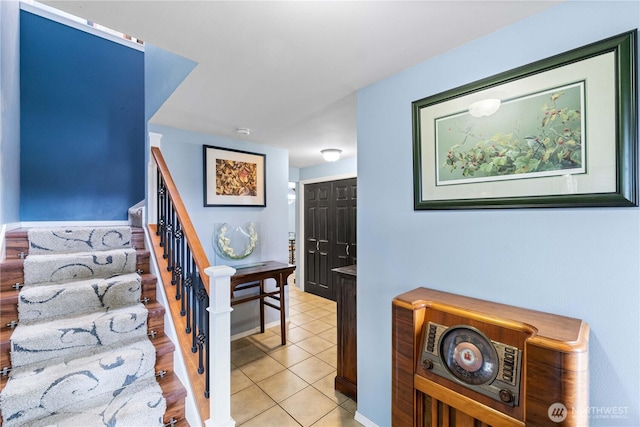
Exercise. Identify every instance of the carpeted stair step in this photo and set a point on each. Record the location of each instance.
(71, 336)
(43, 302)
(62, 342)
(140, 405)
(41, 389)
(155, 331)
(78, 239)
(78, 266)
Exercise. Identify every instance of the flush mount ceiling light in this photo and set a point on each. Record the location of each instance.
(331, 154)
(243, 131)
(484, 108)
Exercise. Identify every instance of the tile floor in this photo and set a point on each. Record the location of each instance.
(292, 385)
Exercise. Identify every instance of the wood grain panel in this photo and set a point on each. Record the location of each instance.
(554, 366)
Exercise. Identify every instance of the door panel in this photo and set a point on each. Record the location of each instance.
(345, 199)
(330, 233)
(317, 237)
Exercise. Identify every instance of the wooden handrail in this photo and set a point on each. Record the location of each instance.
(199, 257)
(197, 251)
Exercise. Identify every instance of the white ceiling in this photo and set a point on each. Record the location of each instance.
(289, 70)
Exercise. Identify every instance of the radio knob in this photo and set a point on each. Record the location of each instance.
(506, 396)
(427, 364)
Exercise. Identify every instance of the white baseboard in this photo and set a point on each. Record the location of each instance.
(3, 252)
(364, 420)
(255, 330)
(27, 224)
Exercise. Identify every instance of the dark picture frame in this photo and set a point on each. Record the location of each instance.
(234, 177)
(564, 135)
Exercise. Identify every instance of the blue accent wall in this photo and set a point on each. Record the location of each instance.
(82, 124)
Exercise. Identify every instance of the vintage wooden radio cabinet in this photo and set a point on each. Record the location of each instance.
(460, 361)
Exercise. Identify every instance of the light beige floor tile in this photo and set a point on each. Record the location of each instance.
(260, 378)
(239, 343)
(339, 417)
(350, 405)
(314, 344)
(330, 335)
(296, 299)
(305, 306)
(262, 368)
(320, 302)
(292, 311)
(318, 312)
(316, 326)
(331, 319)
(301, 319)
(326, 386)
(258, 336)
(326, 304)
(312, 369)
(298, 334)
(290, 355)
(282, 385)
(269, 343)
(300, 408)
(276, 329)
(239, 381)
(249, 403)
(246, 354)
(329, 356)
(273, 417)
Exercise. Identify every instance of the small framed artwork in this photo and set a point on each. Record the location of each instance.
(234, 177)
(560, 132)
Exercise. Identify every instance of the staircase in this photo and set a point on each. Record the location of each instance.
(74, 410)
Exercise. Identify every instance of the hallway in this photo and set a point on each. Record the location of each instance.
(292, 385)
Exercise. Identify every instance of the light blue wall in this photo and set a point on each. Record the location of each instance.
(328, 169)
(163, 73)
(582, 263)
(182, 151)
(9, 112)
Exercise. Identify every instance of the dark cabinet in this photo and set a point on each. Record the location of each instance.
(347, 369)
(330, 239)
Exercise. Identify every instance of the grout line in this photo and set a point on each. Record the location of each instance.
(296, 300)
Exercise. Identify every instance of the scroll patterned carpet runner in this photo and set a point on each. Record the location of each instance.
(80, 354)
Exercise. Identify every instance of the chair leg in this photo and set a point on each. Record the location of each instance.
(283, 326)
(262, 290)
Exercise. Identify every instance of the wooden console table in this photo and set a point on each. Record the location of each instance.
(254, 277)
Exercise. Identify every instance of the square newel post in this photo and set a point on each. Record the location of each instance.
(220, 346)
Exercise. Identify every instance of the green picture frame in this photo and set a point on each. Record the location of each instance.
(561, 132)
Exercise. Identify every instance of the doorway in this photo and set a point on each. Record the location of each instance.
(329, 233)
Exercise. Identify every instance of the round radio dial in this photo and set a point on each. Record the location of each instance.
(469, 355)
